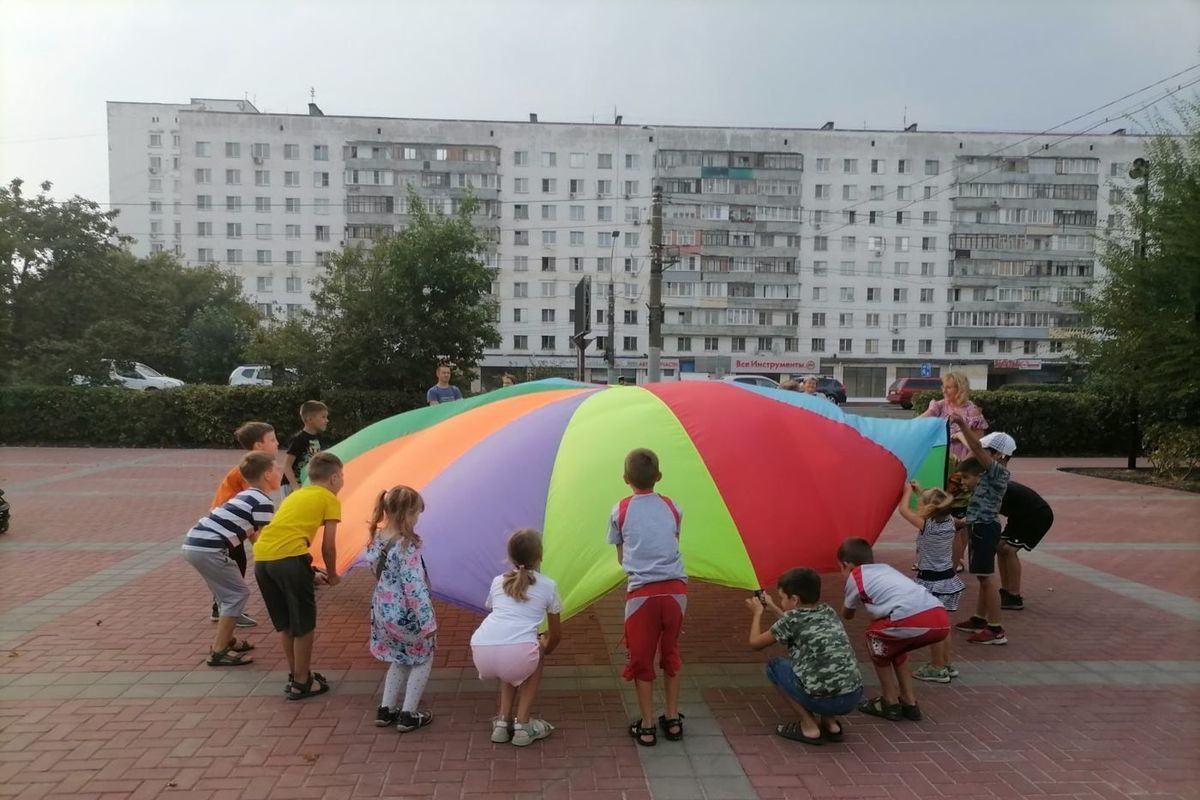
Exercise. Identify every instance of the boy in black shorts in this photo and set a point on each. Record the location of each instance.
(1029, 517)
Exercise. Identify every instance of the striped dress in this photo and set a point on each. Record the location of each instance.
(935, 562)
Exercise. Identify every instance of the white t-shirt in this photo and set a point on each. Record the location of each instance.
(885, 592)
(513, 621)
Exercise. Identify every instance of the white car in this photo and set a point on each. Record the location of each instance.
(136, 376)
(753, 380)
(259, 375)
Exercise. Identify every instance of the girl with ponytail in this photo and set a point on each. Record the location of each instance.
(403, 627)
(507, 644)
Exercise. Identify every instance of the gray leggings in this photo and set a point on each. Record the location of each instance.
(411, 679)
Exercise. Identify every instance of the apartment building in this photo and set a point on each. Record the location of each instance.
(867, 255)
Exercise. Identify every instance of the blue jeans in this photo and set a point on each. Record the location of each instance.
(781, 674)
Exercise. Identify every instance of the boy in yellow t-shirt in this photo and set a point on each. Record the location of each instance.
(283, 568)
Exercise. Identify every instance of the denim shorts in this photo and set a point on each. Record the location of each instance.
(780, 673)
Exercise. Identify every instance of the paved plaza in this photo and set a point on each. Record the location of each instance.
(103, 693)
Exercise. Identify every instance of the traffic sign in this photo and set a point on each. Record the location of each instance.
(926, 370)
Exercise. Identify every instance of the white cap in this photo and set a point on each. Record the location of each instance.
(1002, 443)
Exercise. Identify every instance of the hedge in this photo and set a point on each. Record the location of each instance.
(191, 416)
(1058, 388)
(1051, 423)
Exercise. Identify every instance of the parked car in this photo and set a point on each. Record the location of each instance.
(832, 388)
(753, 380)
(135, 375)
(259, 375)
(902, 390)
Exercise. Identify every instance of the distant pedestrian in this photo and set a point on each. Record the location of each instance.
(443, 391)
(507, 380)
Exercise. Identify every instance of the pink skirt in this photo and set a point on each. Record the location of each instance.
(511, 663)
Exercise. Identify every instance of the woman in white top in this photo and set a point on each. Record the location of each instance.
(507, 644)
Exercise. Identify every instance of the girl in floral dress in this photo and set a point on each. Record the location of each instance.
(403, 627)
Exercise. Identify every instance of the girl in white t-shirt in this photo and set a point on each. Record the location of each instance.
(507, 644)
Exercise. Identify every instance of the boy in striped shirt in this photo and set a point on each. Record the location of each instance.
(209, 544)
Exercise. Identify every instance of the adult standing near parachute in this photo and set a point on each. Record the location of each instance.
(956, 399)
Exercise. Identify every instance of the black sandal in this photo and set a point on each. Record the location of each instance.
(226, 658)
(301, 691)
(639, 733)
(668, 724)
(875, 707)
(793, 732)
(831, 736)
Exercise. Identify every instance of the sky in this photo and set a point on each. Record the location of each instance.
(945, 64)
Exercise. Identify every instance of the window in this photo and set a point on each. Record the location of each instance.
(263, 256)
(603, 264)
(576, 263)
(155, 165)
(322, 233)
(549, 264)
(290, 178)
(927, 295)
(819, 293)
(292, 231)
(900, 267)
(233, 230)
(1004, 346)
(547, 315)
(262, 204)
(846, 294)
(633, 214)
(549, 288)
(878, 166)
(549, 212)
(683, 344)
(549, 159)
(847, 268)
(850, 165)
(321, 180)
(233, 149)
(929, 194)
(520, 342)
(1030, 348)
(928, 243)
(633, 161)
(262, 230)
(737, 344)
(520, 289)
(233, 256)
(874, 295)
(876, 192)
(520, 158)
(932, 166)
(604, 213)
(848, 216)
(952, 345)
(521, 237)
(521, 211)
(521, 185)
(631, 189)
(823, 191)
(845, 345)
(818, 320)
(291, 205)
(849, 244)
(549, 238)
(849, 192)
(897, 345)
(820, 268)
(604, 188)
(260, 150)
(575, 186)
(203, 149)
(927, 268)
(901, 244)
(204, 202)
(233, 177)
(577, 238)
(976, 346)
(156, 140)
(929, 218)
(817, 345)
(926, 320)
(629, 344)
(156, 207)
(577, 213)
(204, 229)
(820, 243)
(711, 344)
(631, 316)
(202, 176)
(549, 185)
(900, 295)
(631, 239)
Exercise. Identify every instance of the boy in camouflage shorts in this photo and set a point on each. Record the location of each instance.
(820, 679)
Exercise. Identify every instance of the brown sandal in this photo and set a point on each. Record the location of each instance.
(228, 658)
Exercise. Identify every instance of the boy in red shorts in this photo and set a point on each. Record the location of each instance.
(906, 618)
(645, 529)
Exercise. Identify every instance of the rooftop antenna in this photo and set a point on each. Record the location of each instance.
(312, 93)
(906, 116)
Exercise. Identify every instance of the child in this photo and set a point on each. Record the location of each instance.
(305, 444)
(821, 680)
(507, 646)
(283, 568)
(254, 436)
(986, 476)
(906, 617)
(209, 544)
(403, 627)
(935, 561)
(645, 529)
(1029, 518)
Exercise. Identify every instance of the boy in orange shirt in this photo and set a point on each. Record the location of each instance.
(254, 436)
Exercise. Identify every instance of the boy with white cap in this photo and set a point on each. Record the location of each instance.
(986, 475)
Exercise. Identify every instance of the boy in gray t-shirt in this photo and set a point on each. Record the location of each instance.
(645, 529)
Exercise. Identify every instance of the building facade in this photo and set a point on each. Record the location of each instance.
(866, 255)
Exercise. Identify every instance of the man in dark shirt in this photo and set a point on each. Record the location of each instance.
(305, 444)
(442, 391)
(1029, 517)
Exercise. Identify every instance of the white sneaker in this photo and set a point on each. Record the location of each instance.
(500, 731)
(530, 732)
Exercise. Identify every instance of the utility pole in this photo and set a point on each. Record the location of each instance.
(583, 325)
(1139, 171)
(610, 350)
(654, 371)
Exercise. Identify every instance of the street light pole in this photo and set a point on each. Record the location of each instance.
(610, 352)
(1139, 170)
(654, 371)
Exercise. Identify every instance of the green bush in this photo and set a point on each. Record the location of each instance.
(1063, 388)
(1173, 449)
(192, 416)
(1051, 423)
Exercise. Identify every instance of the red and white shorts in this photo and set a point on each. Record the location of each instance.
(890, 640)
(653, 621)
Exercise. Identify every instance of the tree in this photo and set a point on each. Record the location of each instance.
(213, 343)
(1145, 317)
(288, 345)
(386, 315)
